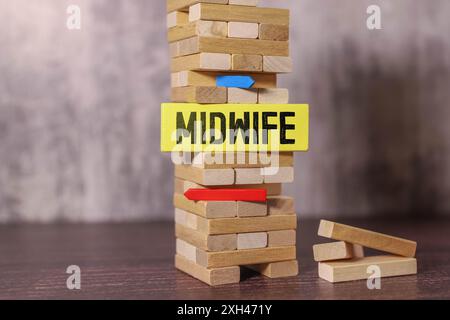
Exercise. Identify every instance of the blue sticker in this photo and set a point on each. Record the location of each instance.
(243, 82)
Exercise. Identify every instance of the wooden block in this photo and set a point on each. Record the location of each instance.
(251, 209)
(183, 5)
(206, 177)
(237, 95)
(181, 186)
(283, 238)
(244, 257)
(249, 176)
(188, 46)
(206, 209)
(231, 13)
(212, 277)
(283, 175)
(273, 96)
(186, 250)
(243, 30)
(177, 18)
(198, 44)
(185, 219)
(198, 28)
(356, 269)
(366, 238)
(277, 64)
(337, 251)
(247, 225)
(226, 242)
(250, 3)
(280, 205)
(174, 49)
(247, 241)
(199, 94)
(276, 270)
(202, 62)
(208, 79)
(242, 160)
(247, 62)
(273, 32)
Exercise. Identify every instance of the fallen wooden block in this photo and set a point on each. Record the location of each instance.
(276, 270)
(207, 209)
(246, 241)
(337, 251)
(199, 94)
(247, 62)
(250, 3)
(243, 30)
(247, 209)
(273, 96)
(198, 44)
(231, 13)
(280, 205)
(183, 5)
(283, 175)
(242, 225)
(177, 18)
(211, 243)
(237, 95)
(366, 238)
(201, 62)
(242, 160)
(198, 28)
(357, 269)
(212, 277)
(283, 238)
(208, 79)
(249, 176)
(206, 177)
(273, 32)
(277, 64)
(181, 186)
(244, 257)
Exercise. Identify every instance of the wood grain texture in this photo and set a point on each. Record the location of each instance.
(206, 177)
(198, 28)
(337, 251)
(277, 270)
(245, 257)
(206, 209)
(356, 269)
(173, 5)
(213, 277)
(86, 104)
(204, 11)
(367, 238)
(136, 261)
(205, 242)
(198, 44)
(208, 79)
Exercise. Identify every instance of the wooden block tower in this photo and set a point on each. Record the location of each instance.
(225, 57)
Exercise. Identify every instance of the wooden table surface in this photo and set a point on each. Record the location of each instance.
(135, 261)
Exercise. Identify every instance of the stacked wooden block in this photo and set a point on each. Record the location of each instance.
(209, 39)
(212, 38)
(345, 260)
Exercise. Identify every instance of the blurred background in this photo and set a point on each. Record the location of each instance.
(79, 110)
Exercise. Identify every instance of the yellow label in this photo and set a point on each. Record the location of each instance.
(190, 127)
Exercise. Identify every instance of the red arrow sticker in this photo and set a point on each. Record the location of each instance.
(250, 195)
